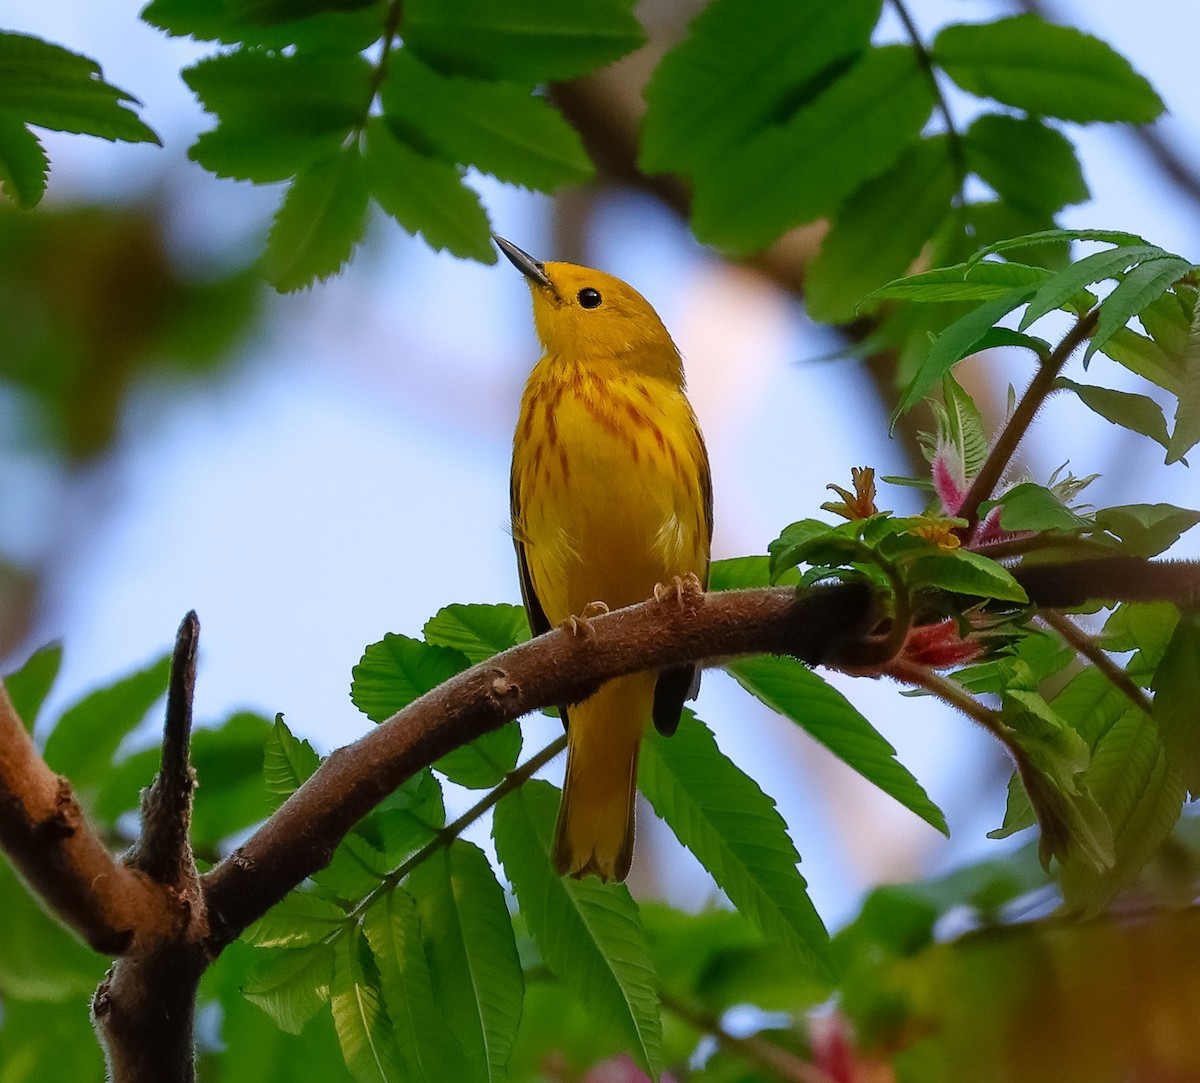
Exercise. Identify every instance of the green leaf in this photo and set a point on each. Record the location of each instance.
(358, 868)
(477, 980)
(1026, 163)
(1143, 357)
(299, 920)
(23, 163)
(530, 41)
(29, 686)
(1047, 70)
(287, 762)
(425, 196)
(50, 87)
(964, 572)
(500, 128)
(259, 153)
(958, 340)
(84, 740)
(347, 32)
(1187, 414)
(270, 12)
(1024, 663)
(797, 171)
(960, 426)
(742, 68)
(796, 692)
(406, 819)
(1033, 507)
(880, 229)
(291, 986)
(364, 1029)
(479, 631)
(427, 1046)
(788, 549)
(1142, 285)
(1146, 530)
(588, 932)
(984, 280)
(1176, 685)
(739, 573)
(1057, 236)
(1146, 629)
(1138, 413)
(720, 814)
(1062, 287)
(321, 219)
(1018, 812)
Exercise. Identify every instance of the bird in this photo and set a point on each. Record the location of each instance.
(611, 497)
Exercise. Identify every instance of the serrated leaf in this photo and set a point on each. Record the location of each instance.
(1033, 507)
(963, 572)
(51, 87)
(1186, 433)
(407, 819)
(29, 686)
(500, 128)
(796, 692)
(479, 631)
(739, 573)
(357, 868)
(1146, 530)
(588, 932)
(1025, 162)
(1058, 236)
(797, 171)
(990, 221)
(23, 163)
(964, 429)
(270, 12)
(973, 281)
(287, 762)
(787, 550)
(299, 920)
(291, 986)
(1143, 357)
(364, 1029)
(1142, 285)
(1138, 413)
(880, 229)
(426, 197)
(957, 341)
(1111, 263)
(84, 740)
(720, 814)
(1047, 70)
(1145, 628)
(320, 221)
(1176, 685)
(477, 980)
(259, 154)
(427, 1046)
(347, 32)
(1018, 812)
(741, 68)
(530, 41)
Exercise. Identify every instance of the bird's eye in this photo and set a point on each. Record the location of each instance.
(589, 298)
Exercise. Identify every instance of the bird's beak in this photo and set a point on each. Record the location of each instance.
(526, 264)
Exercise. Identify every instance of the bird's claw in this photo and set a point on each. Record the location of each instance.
(581, 624)
(679, 589)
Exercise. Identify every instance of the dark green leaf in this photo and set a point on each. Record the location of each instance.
(880, 229)
(802, 169)
(358, 868)
(588, 932)
(1146, 530)
(1058, 236)
(85, 739)
(500, 128)
(1005, 336)
(23, 163)
(29, 686)
(530, 41)
(427, 1046)
(1025, 162)
(468, 934)
(364, 1029)
(979, 281)
(405, 820)
(1138, 413)
(398, 670)
(1176, 687)
(742, 68)
(479, 631)
(991, 221)
(1110, 263)
(321, 219)
(720, 814)
(787, 550)
(287, 762)
(1022, 664)
(347, 32)
(300, 920)
(1187, 414)
(270, 12)
(964, 572)
(798, 693)
(259, 153)
(1033, 507)
(1142, 285)
(50, 87)
(425, 196)
(484, 762)
(958, 340)
(1047, 70)
(292, 985)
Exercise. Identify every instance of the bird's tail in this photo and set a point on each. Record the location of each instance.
(594, 833)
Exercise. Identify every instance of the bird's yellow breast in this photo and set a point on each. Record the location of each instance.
(608, 469)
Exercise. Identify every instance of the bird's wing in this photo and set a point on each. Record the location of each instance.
(538, 622)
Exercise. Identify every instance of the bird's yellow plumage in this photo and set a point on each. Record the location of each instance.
(610, 497)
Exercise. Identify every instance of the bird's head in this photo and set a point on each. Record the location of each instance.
(589, 316)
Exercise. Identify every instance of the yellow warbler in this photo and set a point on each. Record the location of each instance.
(611, 496)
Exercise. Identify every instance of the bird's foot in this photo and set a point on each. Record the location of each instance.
(681, 589)
(581, 624)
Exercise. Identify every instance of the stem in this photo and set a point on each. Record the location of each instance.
(1082, 642)
(1014, 431)
(950, 693)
